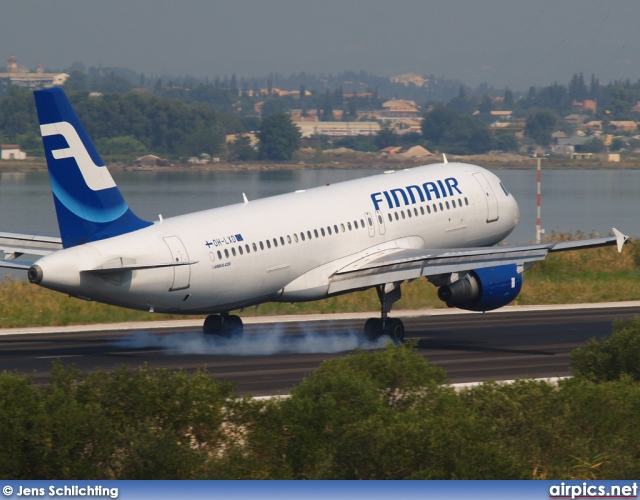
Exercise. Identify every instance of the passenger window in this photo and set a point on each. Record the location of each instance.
(315, 233)
(248, 248)
(409, 213)
(441, 207)
(219, 254)
(268, 244)
(233, 251)
(226, 253)
(402, 213)
(466, 202)
(447, 203)
(212, 256)
(355, 224)
(261, 246)
(371, 222)
(289, 239)
(240, 250)
(453, 203)
(362, 223)
(435, 208)
(329, 230)
(428, 209)
(322, 231)
(422, 210)
(335, 228)
(295, 237)
(255, 248)
(342, 227)
(302, 236)
(415, 211)
(275, 242)
(396, 214)
(349, 225)
(390, 218)
(309, 234)
(282, 240)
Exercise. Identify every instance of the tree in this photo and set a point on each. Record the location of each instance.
(385, 138)
(539, 126)
(610, 358)
(241, 149)
(593, 145)
(456, 133)
(279, 137)
(508, 100)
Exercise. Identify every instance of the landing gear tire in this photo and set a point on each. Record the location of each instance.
(223, 326)
(395, 329)
(373, 329)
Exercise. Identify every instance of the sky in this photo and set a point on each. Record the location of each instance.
(514, 43)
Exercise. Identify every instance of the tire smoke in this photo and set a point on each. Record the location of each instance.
(267, 341)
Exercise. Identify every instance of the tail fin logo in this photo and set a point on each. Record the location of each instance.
(96, 177)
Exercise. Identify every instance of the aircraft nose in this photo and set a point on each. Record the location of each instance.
(516, 212)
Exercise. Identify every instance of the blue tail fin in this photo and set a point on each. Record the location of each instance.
(88, 203)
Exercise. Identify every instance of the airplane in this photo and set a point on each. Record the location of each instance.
(441, 221)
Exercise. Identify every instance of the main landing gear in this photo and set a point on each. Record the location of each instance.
(376, 327)
(225, 326)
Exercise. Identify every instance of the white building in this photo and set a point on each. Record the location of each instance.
(11, 152)
(337, 129)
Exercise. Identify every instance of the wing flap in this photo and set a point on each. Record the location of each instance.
(406, 264)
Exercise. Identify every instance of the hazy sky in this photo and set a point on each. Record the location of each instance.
(512, 43)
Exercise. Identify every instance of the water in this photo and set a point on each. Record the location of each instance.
(572, 200)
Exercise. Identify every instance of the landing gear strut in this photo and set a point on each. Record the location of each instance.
(223, 325)
(393, 327)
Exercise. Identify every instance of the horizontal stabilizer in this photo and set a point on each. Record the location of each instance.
(14, 246)
(16, 264)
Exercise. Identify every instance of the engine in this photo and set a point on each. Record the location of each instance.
(483, 289)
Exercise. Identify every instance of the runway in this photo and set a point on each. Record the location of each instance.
(276, 356)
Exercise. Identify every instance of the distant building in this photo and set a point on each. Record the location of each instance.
(21, 76)
(11, 152)
(586, 105)
(337, 129)
(410, 78)
(399, 108)
(624, 126)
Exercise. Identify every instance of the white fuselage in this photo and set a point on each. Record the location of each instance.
(287, 247)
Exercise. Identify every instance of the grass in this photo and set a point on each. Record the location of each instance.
(596, 275)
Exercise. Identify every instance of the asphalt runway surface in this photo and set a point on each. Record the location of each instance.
(273, 357)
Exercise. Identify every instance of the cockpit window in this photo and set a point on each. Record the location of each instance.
(506, 192)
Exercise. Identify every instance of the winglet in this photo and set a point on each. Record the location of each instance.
(621, 239)
(444, 159)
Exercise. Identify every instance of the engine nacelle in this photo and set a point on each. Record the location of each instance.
(483, 289)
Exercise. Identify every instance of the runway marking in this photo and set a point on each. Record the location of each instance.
(60, 356)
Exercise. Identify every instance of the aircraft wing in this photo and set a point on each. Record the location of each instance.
(388, 266)
(19, 251)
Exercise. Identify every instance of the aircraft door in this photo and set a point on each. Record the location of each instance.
(181, 274)
(368, 220)
(490, 197)
(380, 218)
